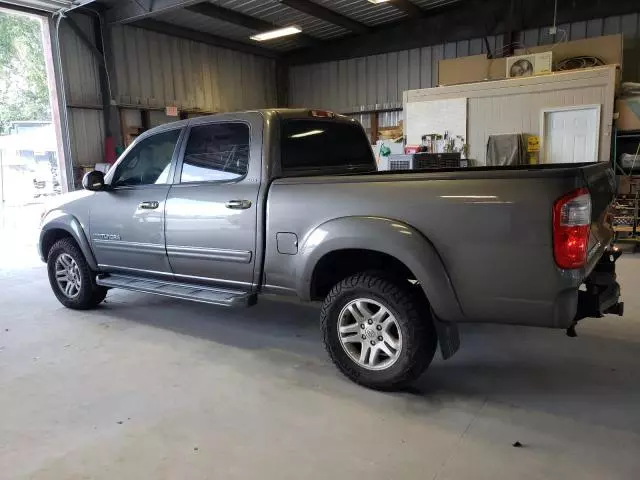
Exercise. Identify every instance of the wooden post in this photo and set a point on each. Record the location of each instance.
(374, 127)
(145, 120)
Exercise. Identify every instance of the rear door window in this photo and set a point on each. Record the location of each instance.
(216, 152)
(310, 145)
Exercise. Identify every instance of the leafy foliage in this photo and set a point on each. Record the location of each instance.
(24, 92)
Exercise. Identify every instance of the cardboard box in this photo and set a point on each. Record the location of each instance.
(389, 133)
(628, 109)
(607, 48)
(624, 185)
(628, 185)
(476, 68)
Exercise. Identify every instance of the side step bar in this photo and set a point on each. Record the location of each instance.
(184, 291)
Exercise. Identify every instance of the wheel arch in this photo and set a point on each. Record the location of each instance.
(403, 247)
(342, 263)
(58, 225)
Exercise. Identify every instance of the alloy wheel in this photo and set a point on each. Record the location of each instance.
(68, 275)
(369, 334)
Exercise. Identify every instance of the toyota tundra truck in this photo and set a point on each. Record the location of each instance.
(222, 209)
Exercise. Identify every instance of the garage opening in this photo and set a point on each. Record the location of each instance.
(30, 160)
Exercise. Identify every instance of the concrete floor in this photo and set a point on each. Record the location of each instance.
(146, 387)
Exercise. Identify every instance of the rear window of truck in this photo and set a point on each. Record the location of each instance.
(323, 146)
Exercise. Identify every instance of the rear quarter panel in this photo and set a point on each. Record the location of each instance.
(491, 230)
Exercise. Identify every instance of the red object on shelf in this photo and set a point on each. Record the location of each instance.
(110, 151)
(411, 149)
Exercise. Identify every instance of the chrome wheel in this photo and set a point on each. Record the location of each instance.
(68, 275)
(370, 334)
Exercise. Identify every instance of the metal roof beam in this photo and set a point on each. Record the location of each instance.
(135, 10)
(469, 18)
(246, 21)
(407, 7)
(326, 14)
(231, 16)
(198, 36)
(97, 53)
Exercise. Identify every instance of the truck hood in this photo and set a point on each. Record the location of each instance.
(66, 198)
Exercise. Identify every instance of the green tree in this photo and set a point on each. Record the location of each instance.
(24, 92)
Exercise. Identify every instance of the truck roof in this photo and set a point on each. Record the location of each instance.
(282, 112)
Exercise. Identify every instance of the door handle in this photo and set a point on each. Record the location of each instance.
(148, 205)
(238, 204)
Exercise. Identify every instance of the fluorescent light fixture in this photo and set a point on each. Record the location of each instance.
(280, 32)
(378, 1)
(307, 134)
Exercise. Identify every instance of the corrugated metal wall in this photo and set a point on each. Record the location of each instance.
(153, 71)
(377, 82)
(82, 89)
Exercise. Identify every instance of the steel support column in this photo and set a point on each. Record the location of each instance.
(108, 86)
(59, 112)
(282, 84)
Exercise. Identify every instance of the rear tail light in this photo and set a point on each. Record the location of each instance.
(571, 221)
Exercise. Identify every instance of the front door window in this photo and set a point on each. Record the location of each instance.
(149, 161)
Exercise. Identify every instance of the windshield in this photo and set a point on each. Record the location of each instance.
(325, 146)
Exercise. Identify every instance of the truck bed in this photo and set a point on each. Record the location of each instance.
(509, 171)
(491, 226)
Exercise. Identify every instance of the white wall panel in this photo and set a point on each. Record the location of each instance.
(499, 115)
(514, 105)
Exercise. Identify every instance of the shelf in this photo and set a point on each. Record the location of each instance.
(627, 135)
(623, 229)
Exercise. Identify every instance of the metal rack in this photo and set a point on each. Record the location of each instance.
(630, 136)
(626, 208)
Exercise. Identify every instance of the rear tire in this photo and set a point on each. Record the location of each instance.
(377, 331)
(71, 279)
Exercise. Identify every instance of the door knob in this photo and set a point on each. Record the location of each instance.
(149, 205)
(238, 204)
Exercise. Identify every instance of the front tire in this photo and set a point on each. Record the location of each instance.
(377, 331)
(71, 279)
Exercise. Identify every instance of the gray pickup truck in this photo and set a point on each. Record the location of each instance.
(222, 208)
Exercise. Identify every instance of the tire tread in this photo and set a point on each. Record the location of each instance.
(89, 298)
(420, 340)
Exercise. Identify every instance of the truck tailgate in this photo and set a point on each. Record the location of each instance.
(600, 181)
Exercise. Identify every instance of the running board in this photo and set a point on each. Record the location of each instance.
(184, 291)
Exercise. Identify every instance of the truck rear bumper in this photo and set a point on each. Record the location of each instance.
(602, 293)
(599, 295)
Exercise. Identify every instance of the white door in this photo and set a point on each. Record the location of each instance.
(571, 136)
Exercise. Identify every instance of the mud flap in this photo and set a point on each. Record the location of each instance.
(448, 337)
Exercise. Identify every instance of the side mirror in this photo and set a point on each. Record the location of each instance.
(93, 181)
